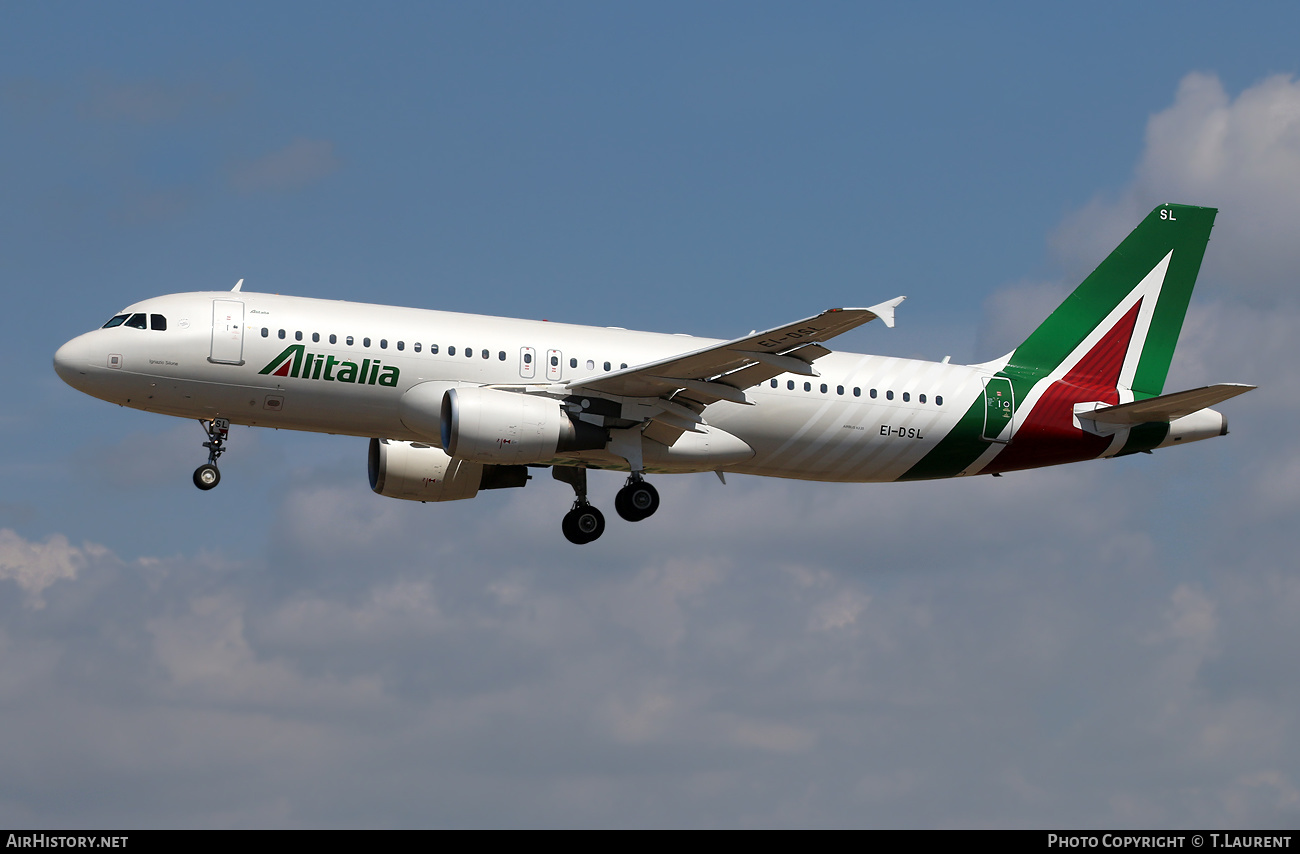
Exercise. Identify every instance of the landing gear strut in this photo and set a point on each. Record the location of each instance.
(207, 475)
(637, 500)
(583, 523)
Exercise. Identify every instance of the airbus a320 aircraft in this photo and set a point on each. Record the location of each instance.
(456, 403)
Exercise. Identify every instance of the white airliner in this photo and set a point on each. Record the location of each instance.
(455, 403)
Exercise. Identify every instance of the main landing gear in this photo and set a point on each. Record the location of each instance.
(207, 475)
(637, 500)
(583, 523)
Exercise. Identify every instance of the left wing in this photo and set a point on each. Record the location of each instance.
(680, 387)
(723, 371)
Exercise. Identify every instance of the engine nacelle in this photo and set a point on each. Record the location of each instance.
(418, 472)
(486, 425)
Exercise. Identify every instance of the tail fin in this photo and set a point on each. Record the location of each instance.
(1120, 326)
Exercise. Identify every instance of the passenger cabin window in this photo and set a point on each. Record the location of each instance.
(383, 343)
(433, 350)
(281, 333)
(297, 336)
(265, 332)
(401, 345)
(486, 354)
(451, 351)
(365, 342)
(573, 363)
(889, 395)
(315, 338)
(607, 366)
(938, 400)
(117, 320)
(136, 321)
(857, 392)
(158, 322)
(501, 356)
(906, 397)
(416, 345)
(334, 339)
(349, 340)
(528, 358)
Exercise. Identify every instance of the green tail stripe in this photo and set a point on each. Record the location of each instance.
(1182, 229)
(955, 451)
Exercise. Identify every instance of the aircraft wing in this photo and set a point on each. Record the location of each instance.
(1166, 407)
(723, 371)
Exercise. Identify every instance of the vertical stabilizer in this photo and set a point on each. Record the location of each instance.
(1140, 292)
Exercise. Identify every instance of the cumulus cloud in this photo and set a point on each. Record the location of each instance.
(1241, 155)
(847, 649)
(301, 163)
(36, 566)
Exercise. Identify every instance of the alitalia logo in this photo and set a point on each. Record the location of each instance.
(296, 362)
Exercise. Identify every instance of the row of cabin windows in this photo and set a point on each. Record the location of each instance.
(857, 392)
(591, 364)
(138, 321)
(433, 348)
(383, 344)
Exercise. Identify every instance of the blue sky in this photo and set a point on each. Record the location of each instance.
(1098, 645)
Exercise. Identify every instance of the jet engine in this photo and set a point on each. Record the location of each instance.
(419, 472)
(485, 425)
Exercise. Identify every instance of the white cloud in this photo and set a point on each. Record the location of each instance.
(36, 566)
(1241, 155)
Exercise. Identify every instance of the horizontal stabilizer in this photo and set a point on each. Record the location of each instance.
(1166, 407)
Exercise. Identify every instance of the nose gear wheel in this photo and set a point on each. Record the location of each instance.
(207, 475)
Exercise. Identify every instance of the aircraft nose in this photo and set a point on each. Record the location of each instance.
(72, 362)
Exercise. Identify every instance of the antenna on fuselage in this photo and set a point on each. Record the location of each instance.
(237, 286)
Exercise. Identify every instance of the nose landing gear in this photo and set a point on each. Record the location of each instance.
(207, 475)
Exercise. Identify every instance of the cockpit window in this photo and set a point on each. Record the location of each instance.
(137, 321)
(157, 321)
(116, 321)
